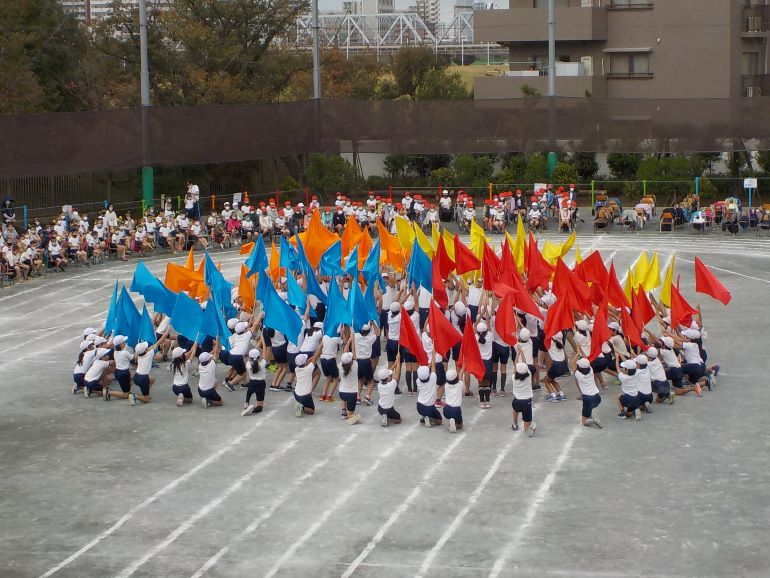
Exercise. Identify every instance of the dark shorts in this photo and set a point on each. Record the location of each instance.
(376, 348)
(183, 389)
(79, 379)
(365, 370)
(524, 407)
(500, 353)
(256, 387)
(210, 394)
(645, 398)
(291, 358)
(236, 362)
(423, 312)
(329, 368)
(456, 351)
(350, 400)
(557, 369)
(266, 337)
(440, 374)
(224, 356)
(391, 349)
(406, 356)
(390, 412)
(428, 411)
(92, 385)
(452, 412)
(661, 387)
(305, 400)
(600, 364)
(123, 376)
(630, 402)
(674, 375)
(279, 353)
(143, 383)
(589, 403)
(532, 368)
(694, 371)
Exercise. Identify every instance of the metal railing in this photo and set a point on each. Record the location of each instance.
(756, 85)
(755, 18)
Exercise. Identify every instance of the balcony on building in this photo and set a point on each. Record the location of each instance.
(573, 79)
(527, 21)
(756, 85)
(756, 18)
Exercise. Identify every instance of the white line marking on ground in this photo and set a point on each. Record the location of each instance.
(728, 271)
(341, 499)
(212, 505)
(163, 491)
(534, 505)
(277, 502)
(449, 532)
(406, 503)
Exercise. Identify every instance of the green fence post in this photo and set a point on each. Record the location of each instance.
(147, 188)
(593, 194)
(178, 203)
(644, 187)
(25, 216)
(697, 186)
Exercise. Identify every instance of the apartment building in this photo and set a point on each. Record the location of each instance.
(631, 48)
(88, 11)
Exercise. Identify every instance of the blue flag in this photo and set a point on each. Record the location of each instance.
(220, 287)
(112, 312)
(280, 316)
(187, 316)
(357, 306)
(257, 260)
(372, 264)
(297, 297)
(331, 259)
(213, 324)
(146, 329)
(338, 312)
(223, 332)
(127, 318)
(311, 281)
(419, 270)
(371, 304)
(153, 290)
(289, 257)
(262, 282)
(351, 266)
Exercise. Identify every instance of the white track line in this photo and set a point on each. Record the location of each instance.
(398, 512)
(212, 505)
(277, 502)
(534, 506)
(341, 499)
(729, 271)
(164, 490)
(449, 532)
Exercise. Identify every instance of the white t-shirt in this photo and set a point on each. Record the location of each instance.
(144, 362)
(426, 390)
(522, 388)
(691, 352)
(180, 377)
(583, 341)
(88, 360)
(304, 384)
(485, 348)
(278, 339)
(349, 382)
(260, 374)
(454, 393)
(619, 345)
(423, 298)
(387, 391)
(526, 348)
(629, 384)
(96, 370)
(123, 359)
(387, 297)
(394, 325)
(240, 343)
(644, 383)
(330, 346)
(206, 375)
(311, 342)
(364, 344)
(474, 295)
(655, 367)
(556, 353)
(586, 383)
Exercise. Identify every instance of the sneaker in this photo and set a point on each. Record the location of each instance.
(481, 405)
(428, 423)
(622, 415)
(75, 389)
(531, 430)
(637, 414)
(86, 392)
(716, 370)
(228, 385)
(398, 391)
(344, 414)
(204, 403)
(488, 405)
(384, 420)
(713, 378)
(555, 398)
(515, 426)
(131, 399)
(330, 398)
(493, 393)
(354, 419)
(648, 406)
(439, 403)
(671, 398)
(536, 387)
(106, 394)
(179, 400)
(288, 387)
(323, 398)
(503, 393)
(469, 394)
(299, 409)
(698, 390)
(561, 397)
(274, 388)
(367, 401)
(597, 423)
(452, 425)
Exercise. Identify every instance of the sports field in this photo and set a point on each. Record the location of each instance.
(90, 488)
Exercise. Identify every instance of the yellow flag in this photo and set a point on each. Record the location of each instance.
(641, 267)
(578, 256)
(449, 243)
(652, 279)
(551, 251)
(477, 239)
(665, 292)
(568, 244)
(405, 234)
(423, 241)
(435, 235)
(629, 287)
(520, 246)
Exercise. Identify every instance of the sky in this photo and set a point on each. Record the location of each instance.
(447, 6)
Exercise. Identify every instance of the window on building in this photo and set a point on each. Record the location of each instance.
(630, 65)
(631, 4)
(749, 63)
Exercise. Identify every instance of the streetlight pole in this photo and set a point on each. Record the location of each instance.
(316, 54)
(552, 157)
(147, 172)
(462, 50)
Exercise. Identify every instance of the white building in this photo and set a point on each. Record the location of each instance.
(90, 10)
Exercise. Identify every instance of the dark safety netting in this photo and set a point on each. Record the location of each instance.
(74, 143)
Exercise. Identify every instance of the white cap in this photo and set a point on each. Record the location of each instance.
(691, 333)
(301, 360)
(641, 360)
(346, 358)
(318, 325)
(482, 327)
(92, 337)
(101, 352)
(668, 341)
(88, 331)
(652, 352)
(628, 364)
(583, 363)
(254, 353)
(231, 323)
(451, 375)
(386, 275)
(119, 339)
(241, 326)
(667, 320)
(548, 299)
(423, 372)
(85, 344)
(177, 352)
(582, 324)
(409, 305)
(365, 327)
(395, 307)
(384, 374)
(614, 325)
(141, 347)
(99, 340)
(460, 309)
(524, 334)
(204, 357)
(522, 368)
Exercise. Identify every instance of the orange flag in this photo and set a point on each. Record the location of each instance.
(190, 263)
(275, 260)
(179, 278)
(351, 236)
(246, 248)
(246, 289)
(390, 248)
(317, 239)
(364, 248)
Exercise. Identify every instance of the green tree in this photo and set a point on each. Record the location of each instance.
(763, 159)
(537, 169)
(565, 174)
(670, 175)
(586, 166)
(513, 171)
(396, 165)
(422, 165)
(438, 84)
(624, 165)
(473, 171)
(410, 66)
(444, 176)
(329, 174)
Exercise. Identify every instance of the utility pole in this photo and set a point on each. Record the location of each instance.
(147, 173)
(316, 54)
(551, 86)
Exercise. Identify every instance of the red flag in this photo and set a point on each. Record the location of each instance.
(445, 263)
(592, 270)
(706, 282)
(444, 335)
(437, 283)
(681, 310)
(601, 332)
(465, 260)
(559, 318)
(631, 330)
(410, 340)
(508, 266)
(505, 319)
(615, 294)
(490, 267)
(470, 356)
(567, 284)
(538, 269)
(641, 310)
(598, 293)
